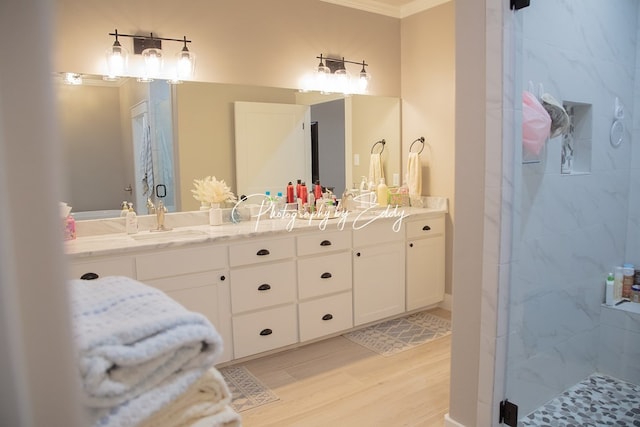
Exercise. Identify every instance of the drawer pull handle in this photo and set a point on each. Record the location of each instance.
(222, 278)
(327, 317)
(358, 254)
(266, 332)
(325, 243)
(262, 252)
(89, 276)
(264, 287)
(426, 228)
(410, 245)
(325, 275)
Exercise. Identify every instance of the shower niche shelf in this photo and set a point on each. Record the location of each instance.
(575, 154)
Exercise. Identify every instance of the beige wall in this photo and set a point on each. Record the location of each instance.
(206, 138)
(265, 43)
(428, 105)
(89, 122)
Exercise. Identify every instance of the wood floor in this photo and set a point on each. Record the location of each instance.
(336, 382)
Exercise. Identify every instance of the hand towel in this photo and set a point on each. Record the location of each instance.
(414, 175)
(375, 168)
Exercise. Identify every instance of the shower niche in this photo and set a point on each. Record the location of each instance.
(575, 154)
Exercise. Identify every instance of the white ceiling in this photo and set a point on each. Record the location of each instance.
(393, 8)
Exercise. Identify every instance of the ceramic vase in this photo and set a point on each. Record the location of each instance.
(215, 214)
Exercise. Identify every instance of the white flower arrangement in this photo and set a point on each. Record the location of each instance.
(210, 190)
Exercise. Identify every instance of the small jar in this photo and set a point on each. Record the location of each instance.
(635, 293)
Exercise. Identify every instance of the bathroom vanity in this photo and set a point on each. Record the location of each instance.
(273, 284)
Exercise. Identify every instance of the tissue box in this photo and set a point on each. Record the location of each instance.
(396, 198)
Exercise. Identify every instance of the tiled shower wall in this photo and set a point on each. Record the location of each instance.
(571, 229)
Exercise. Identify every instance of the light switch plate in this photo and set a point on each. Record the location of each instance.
(356, 160)
(396, 179)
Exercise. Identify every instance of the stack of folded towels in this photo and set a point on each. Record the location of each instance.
(144, 360)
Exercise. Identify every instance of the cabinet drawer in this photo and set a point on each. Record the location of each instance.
(325, 316)
(180, 261)
(187, 281)
(263, 286)
(261, 251)
(264, 330)
(317, 243)
(106, 267)
(378, 231)
(323, 275)
(425, 228)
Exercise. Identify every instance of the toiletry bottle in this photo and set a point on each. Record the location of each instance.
(69, 228)
(131, 220)
(124, 209)
(383, 193)
(608, 299)
(290, 195)
(280, 202)
(373, 192)
(317, 190)
(303, 193)
(617, 283)
(299, 189)
(627, 280)
(312, 202)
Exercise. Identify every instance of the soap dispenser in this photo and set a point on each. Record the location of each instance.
(124, 209)
(131, 220)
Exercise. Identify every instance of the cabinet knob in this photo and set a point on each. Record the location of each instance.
(327, 317)
(89, 276)
(325, 243)
(325, 275)
(410, 245)
(426, 228)
(266, 332)
(264, 287)
(262, 252)
(357, 253)
(222, 278)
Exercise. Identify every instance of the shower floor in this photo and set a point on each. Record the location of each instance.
(599, 400)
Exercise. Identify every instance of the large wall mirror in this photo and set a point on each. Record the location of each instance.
(122, 138)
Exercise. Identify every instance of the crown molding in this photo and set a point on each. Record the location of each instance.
(382, 8)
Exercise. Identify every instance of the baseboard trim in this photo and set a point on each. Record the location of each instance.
(449, 422)
(446, 302)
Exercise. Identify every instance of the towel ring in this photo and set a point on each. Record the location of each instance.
(421, 139)
(382, 141)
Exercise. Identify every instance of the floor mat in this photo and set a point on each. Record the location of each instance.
(246, 390)
(393, 336)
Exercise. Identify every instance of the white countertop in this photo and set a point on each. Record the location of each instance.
(106, 237)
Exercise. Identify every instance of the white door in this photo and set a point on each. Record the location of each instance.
(273, 146)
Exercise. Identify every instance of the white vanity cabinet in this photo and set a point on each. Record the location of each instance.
(425, 248)
(197, 278)
(378, 271)
(263, 295)
(325, 303)
(103, 266)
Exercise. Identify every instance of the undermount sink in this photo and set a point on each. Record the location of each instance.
(167, 236)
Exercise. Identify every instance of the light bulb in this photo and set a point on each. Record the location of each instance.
(152, 61)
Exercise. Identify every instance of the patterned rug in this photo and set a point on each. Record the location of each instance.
(393, 336)
(246, 390)
(599, 400)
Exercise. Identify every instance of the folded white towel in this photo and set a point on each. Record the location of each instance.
(207, 401)
(414, 174)
(376, 170)
(137, 348)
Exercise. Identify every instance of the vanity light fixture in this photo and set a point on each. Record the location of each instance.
(150, 48)
(72, 78)
(335, 78)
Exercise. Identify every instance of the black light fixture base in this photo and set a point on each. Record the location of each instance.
(142, 43)
(519, 4)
